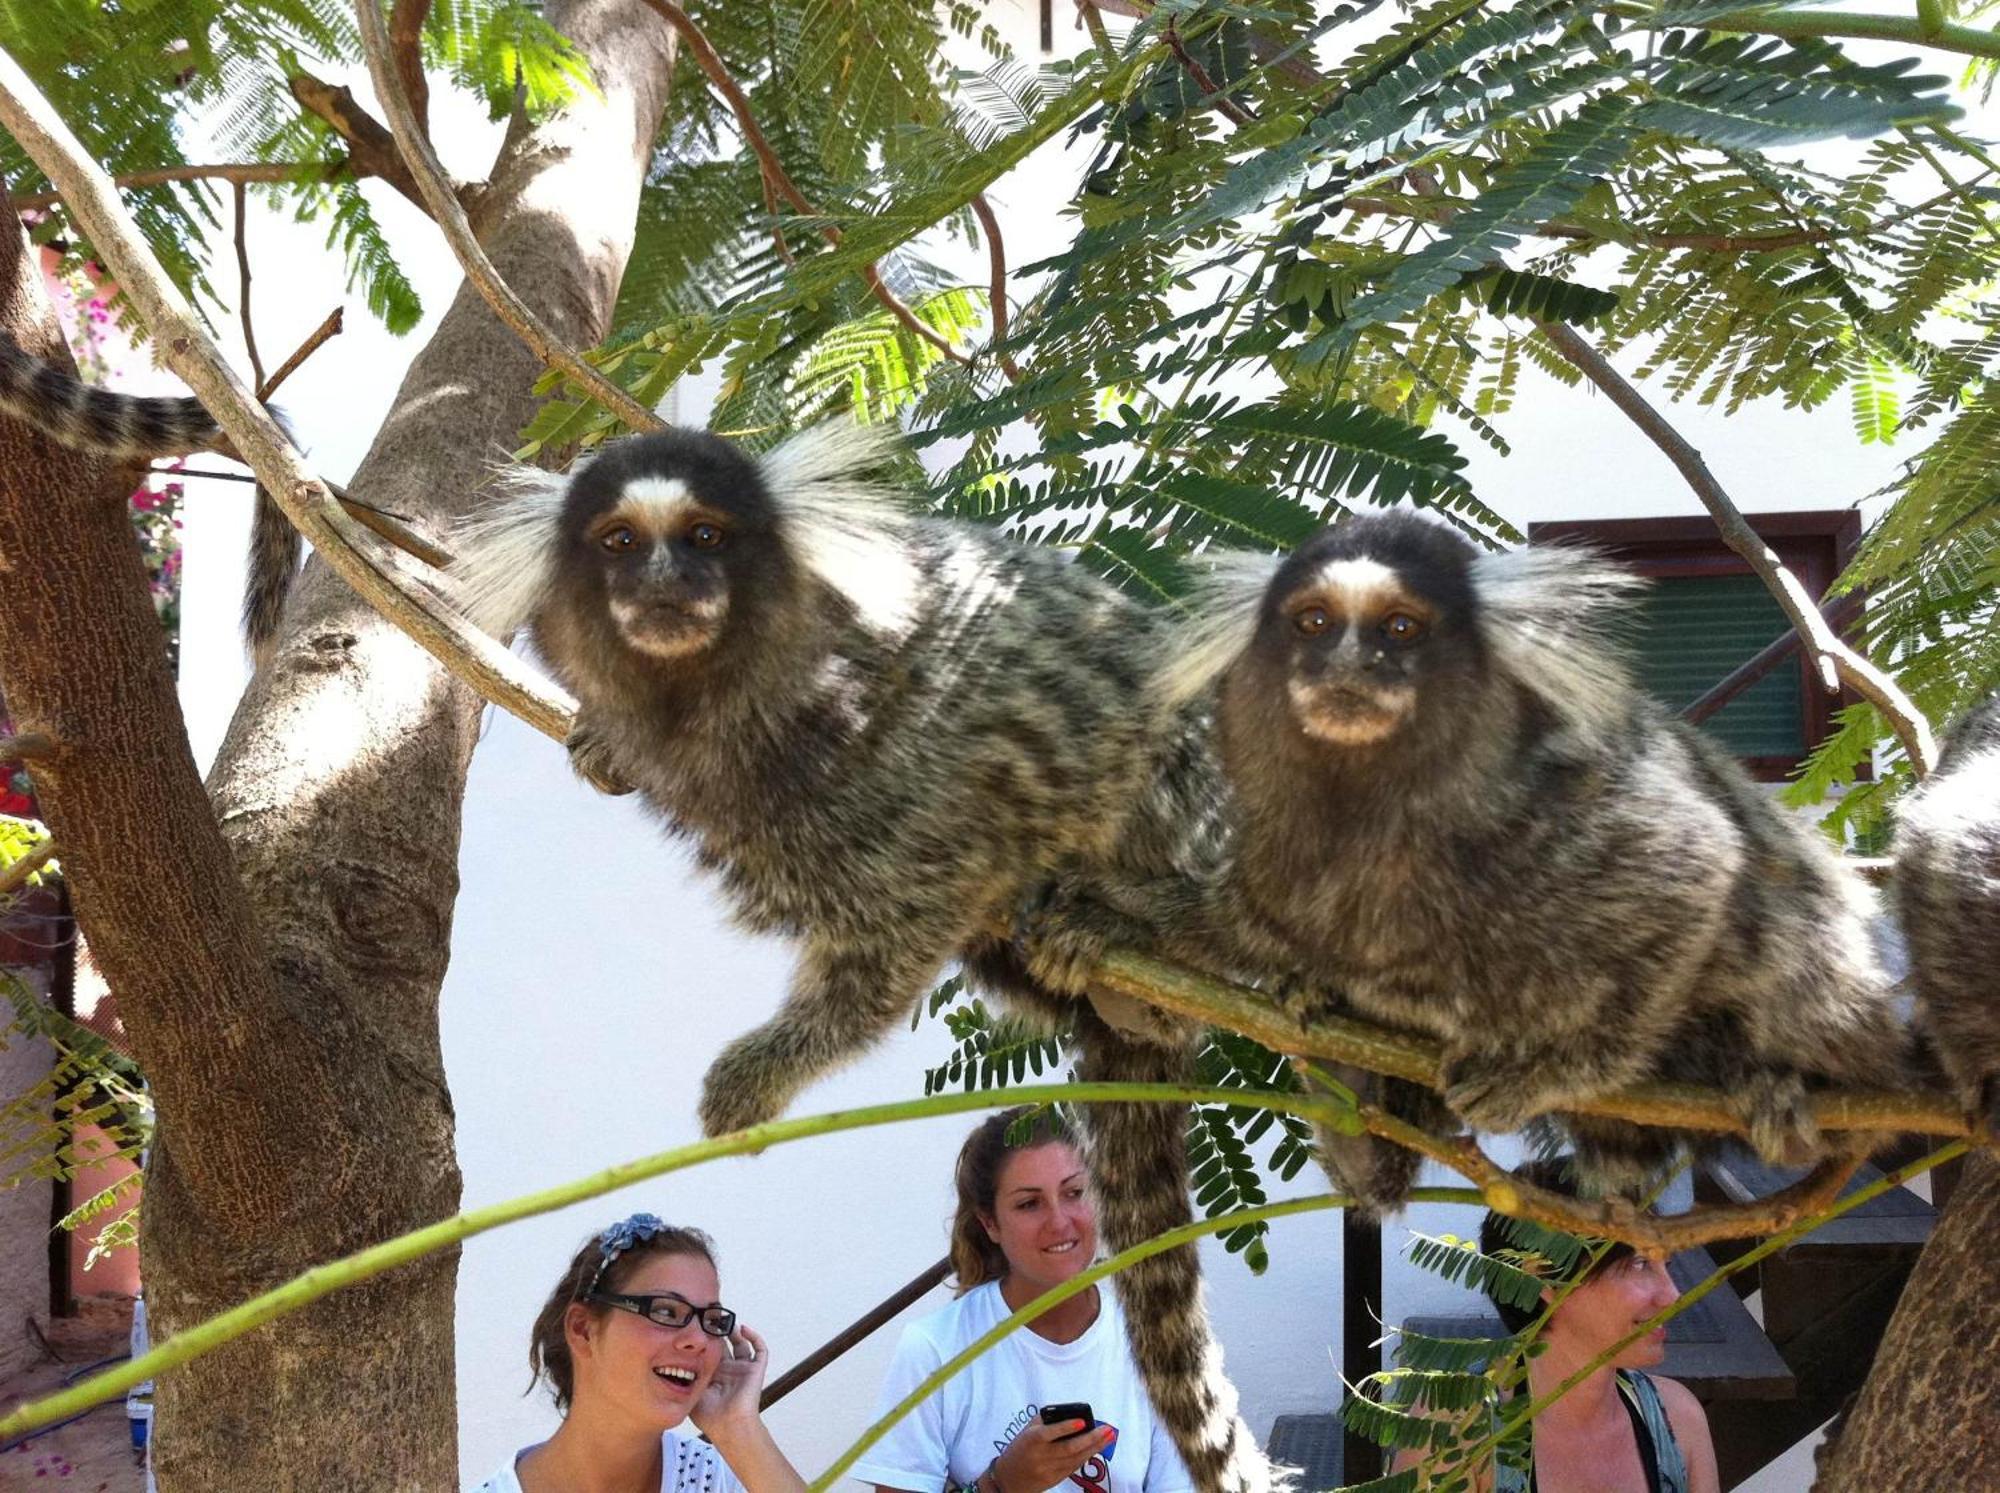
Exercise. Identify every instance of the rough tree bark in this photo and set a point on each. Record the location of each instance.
(278, 955)
(1929, 1415)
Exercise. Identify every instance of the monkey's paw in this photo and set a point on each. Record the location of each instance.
(735, 1094)
(1064, 936)
(1778, 1113)
(1495, 1096)
(590, 760)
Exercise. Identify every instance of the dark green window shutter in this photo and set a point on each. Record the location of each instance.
(1694, 630)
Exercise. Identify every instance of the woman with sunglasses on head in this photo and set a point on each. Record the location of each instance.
(1057, 1403)
(633, 1341)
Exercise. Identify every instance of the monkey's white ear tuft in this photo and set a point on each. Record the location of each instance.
(1215, 622)
(1557, 619)
(504, 552)
(845, 523)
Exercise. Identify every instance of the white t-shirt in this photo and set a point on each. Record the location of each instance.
(959, 1430)
(687, 1465)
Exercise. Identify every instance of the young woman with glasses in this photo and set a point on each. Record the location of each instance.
(633, 1341)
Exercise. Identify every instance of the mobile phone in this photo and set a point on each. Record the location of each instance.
(1055, 1415)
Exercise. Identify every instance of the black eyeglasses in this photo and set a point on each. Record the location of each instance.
(670, 1311)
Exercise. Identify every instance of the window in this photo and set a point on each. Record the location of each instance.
(1708, 614)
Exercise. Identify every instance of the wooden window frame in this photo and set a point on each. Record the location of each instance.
(1815, 545)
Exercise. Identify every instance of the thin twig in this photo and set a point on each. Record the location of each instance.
(1439, 208)
(237, 171)
(391, 526)
(243, 283)
(354, 553)
(334, 324)
(444, 207)
(14, 877)
(1838, 663)
(1234, 112)
(996, 295)
(29, 746)
(773, 170)
(406, 44)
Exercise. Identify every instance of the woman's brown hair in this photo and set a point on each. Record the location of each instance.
(643, 1238)
(976, 1259)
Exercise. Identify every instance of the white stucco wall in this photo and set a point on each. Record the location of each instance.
(592, 976)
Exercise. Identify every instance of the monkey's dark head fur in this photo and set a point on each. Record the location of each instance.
(1364, 629)
(658, 537)
(671, 555)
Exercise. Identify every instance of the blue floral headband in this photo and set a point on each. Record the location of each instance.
(621, 1236)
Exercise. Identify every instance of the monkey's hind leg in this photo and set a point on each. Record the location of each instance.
(1138, 1167)
(842, 1000)
(1378, 1174)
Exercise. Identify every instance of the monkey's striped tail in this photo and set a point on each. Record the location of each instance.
(1138, 1166)
(143, 428)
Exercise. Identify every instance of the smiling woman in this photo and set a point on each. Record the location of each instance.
(1060, 1400)
(633, 1341)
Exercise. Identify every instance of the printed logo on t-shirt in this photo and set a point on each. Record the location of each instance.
(1094, 1476)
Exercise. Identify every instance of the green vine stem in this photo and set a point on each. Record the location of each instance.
(1914, 29)
(321, 1280)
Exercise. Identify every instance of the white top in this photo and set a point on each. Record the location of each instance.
(959, 1430)
(687, 1465)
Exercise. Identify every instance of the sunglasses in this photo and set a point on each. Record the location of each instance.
(670, 1311)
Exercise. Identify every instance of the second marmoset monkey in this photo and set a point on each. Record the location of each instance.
(879, 732)
(142, 428)
(1947, 885)
(1455, 807)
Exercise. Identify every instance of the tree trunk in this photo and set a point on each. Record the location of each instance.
(1929, 1415)
(279, 974)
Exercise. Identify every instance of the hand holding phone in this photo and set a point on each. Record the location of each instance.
(1068, 1410)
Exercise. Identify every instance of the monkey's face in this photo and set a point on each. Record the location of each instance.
(661, 533)
(1364, 624)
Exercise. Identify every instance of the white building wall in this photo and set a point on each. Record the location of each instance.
(593, 976)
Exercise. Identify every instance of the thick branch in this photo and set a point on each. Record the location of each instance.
(477, 659)
(1837, 661)
(775, 178)
(371, 150)
(1216, 1003)
(436, 193)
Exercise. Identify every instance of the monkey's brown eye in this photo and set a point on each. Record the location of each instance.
(705, 536)
(1312, 621)
(1401, 627)
(618, 540)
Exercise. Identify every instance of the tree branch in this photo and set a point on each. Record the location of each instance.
(350, 549)
(14, 877)
(1214, 1002)
(406, 44)
(996, 295)
(773, 170)
(440, 202)
(1838, 663)
(243, 284)
(1234, 112)
(239, 171)
(371, 149)
(334, 324)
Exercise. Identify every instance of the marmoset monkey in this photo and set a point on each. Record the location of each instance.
(142, 428)
(1455, 808)
(880, 732)
(1947, 884)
